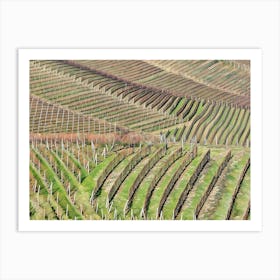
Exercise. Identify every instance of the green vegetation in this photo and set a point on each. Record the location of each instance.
(127, 139)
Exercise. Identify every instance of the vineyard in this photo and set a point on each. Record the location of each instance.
(139, 140)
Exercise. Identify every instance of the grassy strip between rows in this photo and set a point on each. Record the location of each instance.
(102, 198)
(81, 197)
(191, 182)
(90, 181)
(140, 194)
(122, 195)
(159, 190)
(40, 207)
(84, 172)
(188, 210)
(58, 188)
(241, 202)
(48, 200)
(151, 162)
(176, 193)
(231, 180)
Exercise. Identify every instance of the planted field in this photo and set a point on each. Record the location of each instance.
(131, 139)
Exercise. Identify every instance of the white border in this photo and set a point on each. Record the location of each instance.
(255, 224)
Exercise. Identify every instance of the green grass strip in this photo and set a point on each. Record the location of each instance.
(82, 196)
(231, 180)
(102, 198)
(159, 190)
(58, 188)
(140, 194)
(90, 181)
(122, 195)
(188, 211)
(241, 202)
(181, 184)
(83, 171)
(178, 107)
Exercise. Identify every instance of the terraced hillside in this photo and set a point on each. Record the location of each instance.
(133, 139)
(78, 181)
